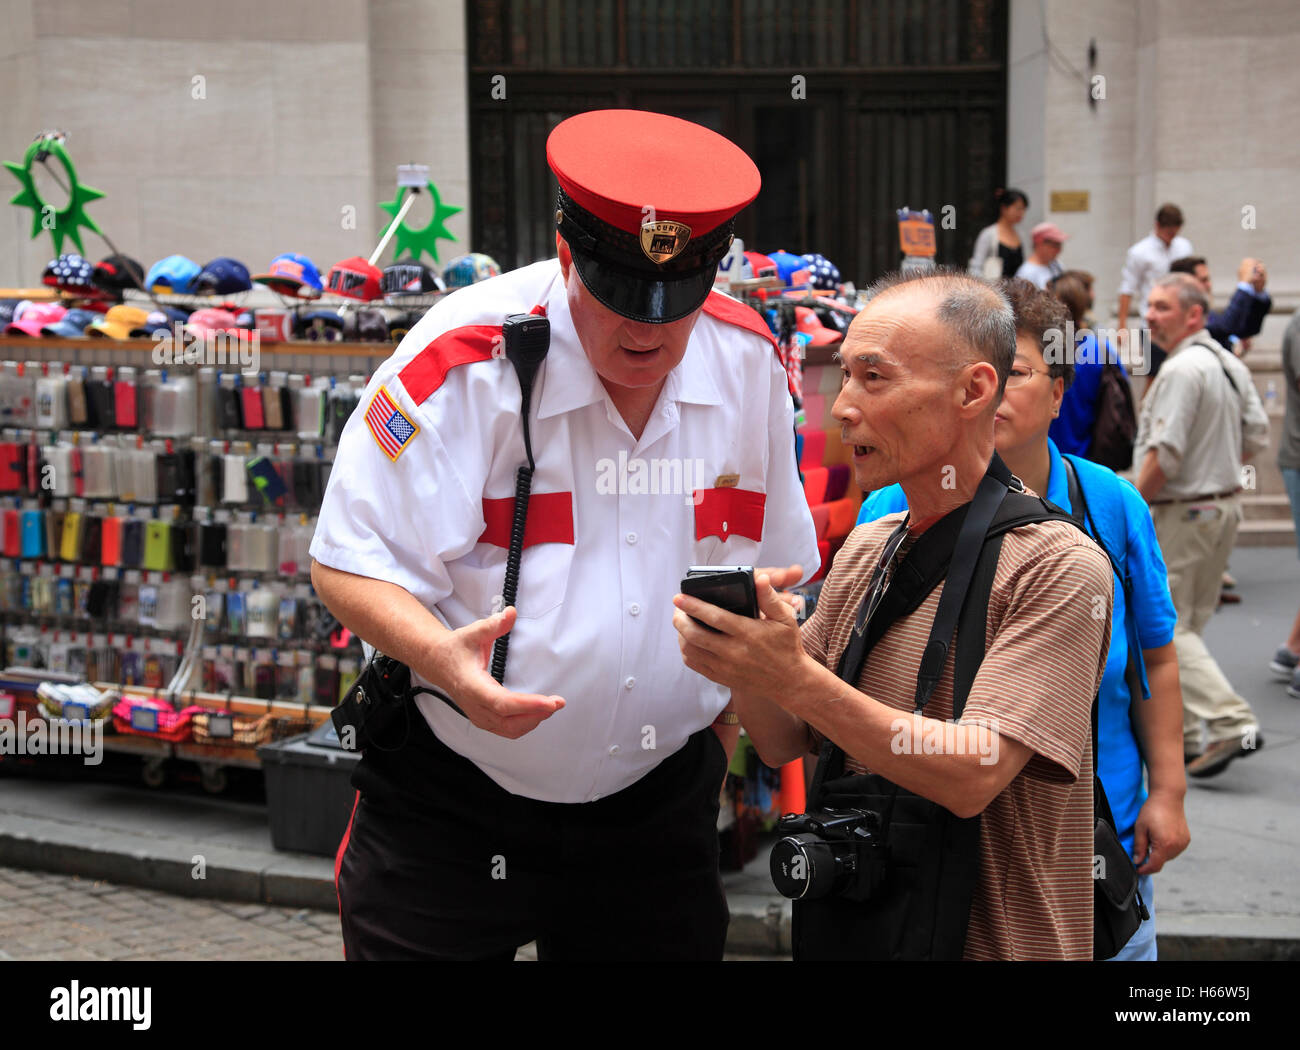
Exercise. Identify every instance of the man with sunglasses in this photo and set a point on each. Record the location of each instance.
(574, 802)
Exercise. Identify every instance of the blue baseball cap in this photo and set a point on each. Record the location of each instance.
(160, 321)
(73, 325)
(7, 308)
(292, 274)
(222, 276)
(175, 273)
(792, 268)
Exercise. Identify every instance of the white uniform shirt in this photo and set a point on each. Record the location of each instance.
(1146, 262)
(595, 614)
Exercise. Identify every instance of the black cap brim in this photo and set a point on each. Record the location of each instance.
(641, 297)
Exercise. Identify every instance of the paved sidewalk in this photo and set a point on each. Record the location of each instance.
(63, 917)
(1233, 894)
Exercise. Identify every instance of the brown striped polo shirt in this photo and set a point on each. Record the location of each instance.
(1047, 638)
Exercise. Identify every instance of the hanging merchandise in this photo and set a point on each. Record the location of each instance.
(263, 607)
(66, 220)
(293, 275)
(417, 242)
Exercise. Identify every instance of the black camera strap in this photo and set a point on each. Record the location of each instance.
(924, 567)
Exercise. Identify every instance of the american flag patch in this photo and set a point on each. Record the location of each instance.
(389, 424)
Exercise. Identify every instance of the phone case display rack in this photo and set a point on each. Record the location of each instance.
(141, 505)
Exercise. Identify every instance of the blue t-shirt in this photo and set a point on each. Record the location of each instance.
(1072, 429)
(1119, 762)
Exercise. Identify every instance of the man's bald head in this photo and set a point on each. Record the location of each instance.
(972, 311)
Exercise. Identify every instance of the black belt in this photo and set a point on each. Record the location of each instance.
(1196, 499)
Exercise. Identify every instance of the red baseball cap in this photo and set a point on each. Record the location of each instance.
(646, 205)
(763, 265)
(355, 278)
(806, 320)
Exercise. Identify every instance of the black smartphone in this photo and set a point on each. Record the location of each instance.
(729, 587)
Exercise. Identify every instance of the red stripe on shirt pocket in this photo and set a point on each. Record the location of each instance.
(550, 519)
(724, 512)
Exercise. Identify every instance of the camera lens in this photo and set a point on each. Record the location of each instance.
(804, 867)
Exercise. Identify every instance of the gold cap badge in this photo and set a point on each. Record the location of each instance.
(662, 240)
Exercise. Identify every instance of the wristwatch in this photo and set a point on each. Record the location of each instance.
(727, 718)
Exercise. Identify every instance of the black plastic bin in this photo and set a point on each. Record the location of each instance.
(309, 791)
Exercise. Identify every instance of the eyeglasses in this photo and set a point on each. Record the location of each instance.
(1020, 375)
(882, 577)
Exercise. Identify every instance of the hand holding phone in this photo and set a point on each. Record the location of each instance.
(729, 587)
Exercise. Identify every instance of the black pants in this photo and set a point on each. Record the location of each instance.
(439, 862)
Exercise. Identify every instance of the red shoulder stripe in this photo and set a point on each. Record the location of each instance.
(424, 373)
(729, 311)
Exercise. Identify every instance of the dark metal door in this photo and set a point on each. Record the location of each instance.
(850, 110)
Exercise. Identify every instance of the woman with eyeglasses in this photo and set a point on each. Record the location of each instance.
(1133, 733)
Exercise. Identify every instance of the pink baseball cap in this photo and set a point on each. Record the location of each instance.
(807, 321)
(36, 317)
(1049, 231)
(212, 319)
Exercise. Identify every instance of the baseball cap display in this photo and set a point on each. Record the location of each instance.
(791, 268)
(762, 265)
(724, 268)
(613, 164)
(366, 325)
(222, 276)
(72, 325)
(402, 323)
(119, 322)
(807, 321)
(35, 317)
(318, 326)
(823, 272)
(465, 270)
(355, 278)
(212, 319)
(117, 273)
(173, 274)
(292, 274)
(409, 278)
(71, 272)
(1048, 231)
(160, 321)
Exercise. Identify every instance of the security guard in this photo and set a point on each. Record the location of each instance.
(575, 803)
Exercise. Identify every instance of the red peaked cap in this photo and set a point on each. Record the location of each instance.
(615, 162)
(621, 168)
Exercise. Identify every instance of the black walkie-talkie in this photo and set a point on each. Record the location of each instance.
(527, 338)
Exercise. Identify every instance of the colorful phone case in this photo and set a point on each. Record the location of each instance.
(158, 546)
(251, 402)
(70, 542)
(124, 410)
(111, 550)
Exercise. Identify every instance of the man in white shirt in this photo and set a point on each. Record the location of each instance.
(1146, 262)
(573, 802)
(1201, 419)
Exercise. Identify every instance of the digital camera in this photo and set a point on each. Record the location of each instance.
(833, 851)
